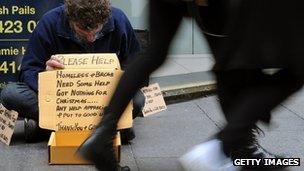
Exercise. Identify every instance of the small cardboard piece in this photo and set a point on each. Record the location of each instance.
(154, 100)
(72, 100)
(8, 119)
(63, 147)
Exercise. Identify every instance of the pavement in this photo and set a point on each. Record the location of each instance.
(193, 116)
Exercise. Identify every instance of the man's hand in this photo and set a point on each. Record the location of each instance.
(201, 2)
(54, 63)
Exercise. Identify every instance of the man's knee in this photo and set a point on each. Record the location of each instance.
(9, 94)
(15, 95)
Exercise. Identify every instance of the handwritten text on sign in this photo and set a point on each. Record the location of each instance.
(89, 61)
(7, 124)
(75, 99)
(154, 100)
(79, 97)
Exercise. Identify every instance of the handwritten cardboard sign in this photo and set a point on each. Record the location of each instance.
(154, 100)
(8, 120)
(74, 99)
(90, 61)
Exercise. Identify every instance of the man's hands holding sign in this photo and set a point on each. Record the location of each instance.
(54, 63)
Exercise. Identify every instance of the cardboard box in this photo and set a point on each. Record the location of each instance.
(63, 147)
(71, 101)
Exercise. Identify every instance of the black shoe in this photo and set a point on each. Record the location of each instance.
(127, 135)
(253, 150)
(98, 148)
(33, 133)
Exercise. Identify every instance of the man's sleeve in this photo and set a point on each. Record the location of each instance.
(37, 53)
(131, 45)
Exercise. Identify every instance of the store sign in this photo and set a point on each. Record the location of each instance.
(18, 19)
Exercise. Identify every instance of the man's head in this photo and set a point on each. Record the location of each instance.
(87, 17)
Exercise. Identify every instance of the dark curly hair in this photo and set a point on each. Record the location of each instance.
(89, 14)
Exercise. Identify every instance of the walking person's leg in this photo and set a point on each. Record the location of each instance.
(212, 20)
(164, 21)
(258, 97)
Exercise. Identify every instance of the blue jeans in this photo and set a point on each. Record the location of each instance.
(19, 97)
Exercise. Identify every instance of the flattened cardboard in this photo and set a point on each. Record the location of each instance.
(8, 119)
(154, 100)
(63, 147)
(73, 99)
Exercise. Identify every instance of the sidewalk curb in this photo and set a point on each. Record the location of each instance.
(179, 88)
(188, 93)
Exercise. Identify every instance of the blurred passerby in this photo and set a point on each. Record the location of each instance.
(165, 17)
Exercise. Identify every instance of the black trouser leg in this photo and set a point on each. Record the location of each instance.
(164, 21)
(229, 87)
(258, 95)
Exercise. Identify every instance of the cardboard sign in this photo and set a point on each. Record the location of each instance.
(8, 120)
(74, 99)
(154, 100)
(90, 61)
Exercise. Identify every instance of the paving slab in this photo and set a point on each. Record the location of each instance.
(169, 68)
(295, 103)
(171, 133)
(193, 64)
(288, 143)
(212, 108)
(128, 158)
(159, 164)
(285, 120)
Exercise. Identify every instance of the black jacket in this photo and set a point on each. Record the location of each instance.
(264, 34)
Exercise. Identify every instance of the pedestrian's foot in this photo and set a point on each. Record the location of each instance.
(207, 156)
(253, 150)
(98, 149)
